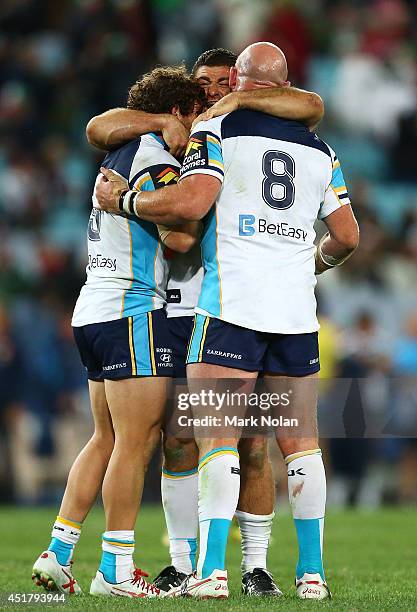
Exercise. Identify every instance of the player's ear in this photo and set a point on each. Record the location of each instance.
(175, 110)
(232, 77)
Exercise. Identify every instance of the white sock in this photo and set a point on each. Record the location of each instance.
(307, 495)
(218, 495)
(255, 530)
(65, 535)
(180, 501)
(117, 558)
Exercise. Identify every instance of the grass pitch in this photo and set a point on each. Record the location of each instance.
(370, 561)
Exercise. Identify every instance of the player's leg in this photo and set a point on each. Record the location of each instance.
(179, 478)
(297, 356)
(179, 488)
(52, 570)
(218, 480)
(136, 395)
(255, 513)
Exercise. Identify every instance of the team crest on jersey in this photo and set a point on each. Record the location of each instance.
(94, 225)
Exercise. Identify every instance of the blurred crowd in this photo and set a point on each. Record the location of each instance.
(63, 62)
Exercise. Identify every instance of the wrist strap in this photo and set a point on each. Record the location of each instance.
(127, 201)
(329, 260)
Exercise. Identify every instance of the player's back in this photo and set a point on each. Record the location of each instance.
(126, 271)
(258, 243)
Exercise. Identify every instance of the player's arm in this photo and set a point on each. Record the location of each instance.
(117, 126)
(341, 240)
(284, 102)
(336, 212)
(188, 200)
(180, 238)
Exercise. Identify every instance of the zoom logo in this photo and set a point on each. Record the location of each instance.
(246, 223)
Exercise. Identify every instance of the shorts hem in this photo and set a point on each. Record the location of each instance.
(247, 367)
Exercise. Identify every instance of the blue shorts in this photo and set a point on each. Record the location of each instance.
(180, 328)
(221, 343)
(133, 346)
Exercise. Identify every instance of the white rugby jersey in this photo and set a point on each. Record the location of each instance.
(258, 241)
(184, 282)
(127, 271)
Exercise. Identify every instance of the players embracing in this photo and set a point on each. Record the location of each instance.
(255, 172)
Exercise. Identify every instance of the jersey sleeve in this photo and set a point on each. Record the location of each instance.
(204, 151)
(152, 167)
(336, 194)
(154, 177)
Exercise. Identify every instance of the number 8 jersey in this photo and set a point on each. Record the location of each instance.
(258, 241)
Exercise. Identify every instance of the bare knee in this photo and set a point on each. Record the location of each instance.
(103, 442)
(180, 455)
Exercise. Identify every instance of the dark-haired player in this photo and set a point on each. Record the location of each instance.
(122, 334)
(180, 477)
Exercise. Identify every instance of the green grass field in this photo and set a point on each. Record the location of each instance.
(371, 560)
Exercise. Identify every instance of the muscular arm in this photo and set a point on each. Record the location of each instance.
(341, 241)
(188, 200)
(117, 126)
(284, 102)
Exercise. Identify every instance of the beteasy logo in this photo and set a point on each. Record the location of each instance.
(249, 225)
(246, 223)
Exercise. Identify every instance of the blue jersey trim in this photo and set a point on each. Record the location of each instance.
(121, 160)
(253, 123)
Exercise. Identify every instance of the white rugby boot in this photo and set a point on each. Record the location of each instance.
(213, 587)
(53, 576)
(312, 586)
(136, 586)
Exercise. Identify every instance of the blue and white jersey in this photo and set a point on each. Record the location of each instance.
(258, 240)
(127, 271)
(184, 282)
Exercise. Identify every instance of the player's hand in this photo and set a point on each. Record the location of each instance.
(108, 190)
(228, 104)
(175, 135)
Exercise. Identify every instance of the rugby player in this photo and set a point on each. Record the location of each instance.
(122, 335)
(179, 482)
(259, 183)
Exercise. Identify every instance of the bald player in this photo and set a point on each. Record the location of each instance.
(259, 183)
(179, 478)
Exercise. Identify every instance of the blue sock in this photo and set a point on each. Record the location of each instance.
(216, 543)
(309, 547)
(62, 550)
(117, 558)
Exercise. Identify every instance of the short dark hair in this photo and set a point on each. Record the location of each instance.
(163, 88)
(215, 57)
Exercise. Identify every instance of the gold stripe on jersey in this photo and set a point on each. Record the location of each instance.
(203, 339)
(151, 344)
(132, 346)
(218, 267)
(131, 268)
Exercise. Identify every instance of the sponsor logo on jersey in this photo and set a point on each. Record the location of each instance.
(194, 144)
(167, 176)
(249, 225)
(98, 261)
(166, 357)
